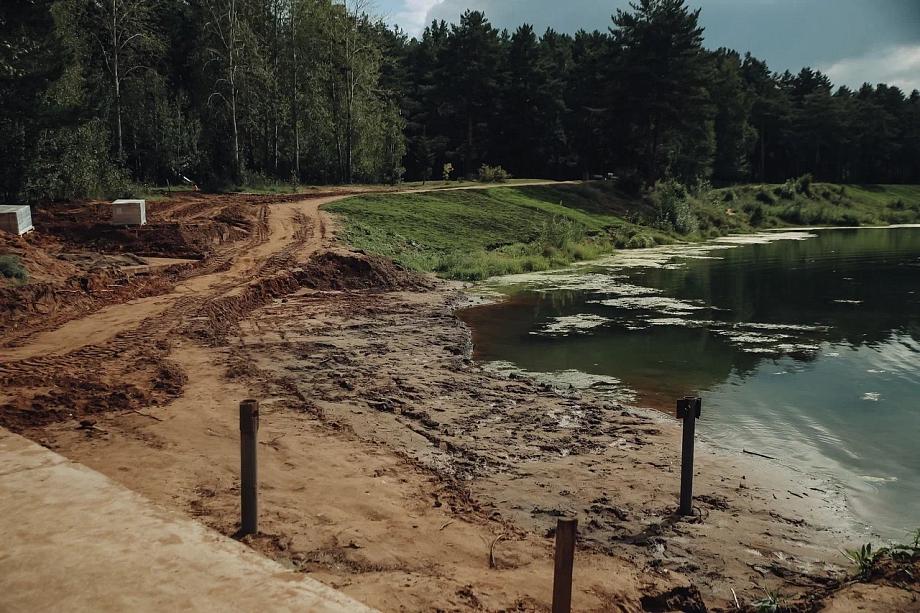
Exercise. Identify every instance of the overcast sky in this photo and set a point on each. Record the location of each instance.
(853, 41)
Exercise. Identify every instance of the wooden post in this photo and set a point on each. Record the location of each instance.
(249, 469)
(566, 530)
(689, 410)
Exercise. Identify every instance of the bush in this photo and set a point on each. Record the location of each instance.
(641, 241)
(729, 196)
(674, 208)
(448, 169)
(765, 197)
(849, 220)
(787, 191)
(11, 269)
(897, 205)
(702, 190)
(803, 184)
(254, 180)
(559, 232)
(631, 238)
(757, 216)
(489, 174)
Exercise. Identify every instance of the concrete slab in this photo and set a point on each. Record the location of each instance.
(73, 540)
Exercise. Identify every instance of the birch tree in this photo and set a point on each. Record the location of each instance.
(359, 70)
(227, 38)
(128, 41)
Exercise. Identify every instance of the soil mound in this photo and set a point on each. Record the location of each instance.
(358, 271)
(891, 587)
(327, 271)
(173, 240)
(74, 389)
(33, 251)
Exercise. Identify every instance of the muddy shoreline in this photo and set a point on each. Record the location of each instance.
(397, 371)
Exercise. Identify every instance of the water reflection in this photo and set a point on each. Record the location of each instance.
(803, 349)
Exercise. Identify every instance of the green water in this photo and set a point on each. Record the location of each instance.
(804, 349)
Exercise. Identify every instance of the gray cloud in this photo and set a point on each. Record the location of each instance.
(788, 34)
(898, 66)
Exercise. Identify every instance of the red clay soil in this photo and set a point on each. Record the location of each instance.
(191, 226)
(28, 309)
(36, 254)
(188, 225)
(129, 375)
(79, 228)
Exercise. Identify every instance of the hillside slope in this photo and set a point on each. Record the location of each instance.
(474, 234)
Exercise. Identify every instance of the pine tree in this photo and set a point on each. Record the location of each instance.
(661, 73)
(472, 80)
(735, 136)
(32, 60)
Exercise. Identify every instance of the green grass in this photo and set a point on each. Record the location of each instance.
(765, 206)
(475, 234)
(10, 268)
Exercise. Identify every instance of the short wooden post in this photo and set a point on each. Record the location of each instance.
(688, 409)
(566, 530)
(249, 469)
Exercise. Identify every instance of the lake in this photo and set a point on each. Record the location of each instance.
(804, 346)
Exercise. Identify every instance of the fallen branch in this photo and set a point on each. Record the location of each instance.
(759, 455)
(272, 442)
(445, 525)
(145, 414)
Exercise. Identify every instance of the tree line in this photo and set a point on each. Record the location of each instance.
(95, 94)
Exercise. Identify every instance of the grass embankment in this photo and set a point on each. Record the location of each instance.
(802, 204)
(475, 234)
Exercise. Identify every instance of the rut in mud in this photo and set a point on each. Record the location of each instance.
(132, 371)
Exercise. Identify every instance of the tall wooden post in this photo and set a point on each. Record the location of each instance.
(249, 470)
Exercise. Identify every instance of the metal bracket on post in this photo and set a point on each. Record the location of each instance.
(689, 409)
(249, 470)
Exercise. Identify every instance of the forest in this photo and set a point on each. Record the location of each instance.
(97, 96)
